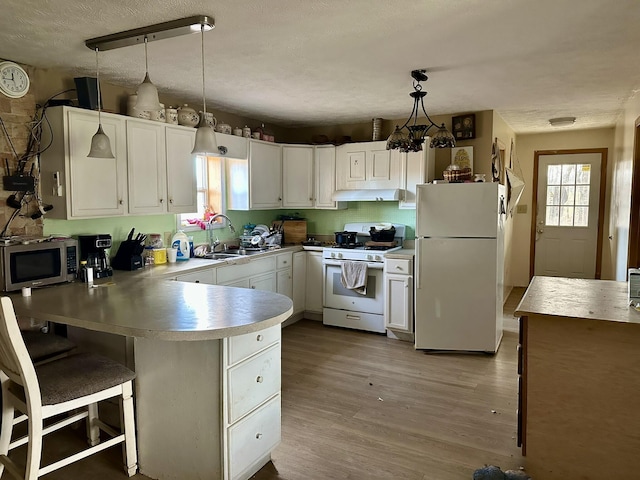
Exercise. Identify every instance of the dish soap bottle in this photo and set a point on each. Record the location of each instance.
(181, 242)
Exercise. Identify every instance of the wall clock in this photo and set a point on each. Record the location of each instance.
(14, 81)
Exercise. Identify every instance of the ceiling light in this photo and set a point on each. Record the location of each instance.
(147, 99)
(100, 143)
(205, 143)
(147, 92)
(413, 138)
(562, 121)
(159, 31)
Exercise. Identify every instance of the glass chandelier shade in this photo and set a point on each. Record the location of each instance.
(411, 136)
(147, 92)
(100, 143)
(205, 143)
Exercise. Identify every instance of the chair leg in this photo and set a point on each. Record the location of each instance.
(34, 448)
(6, 428)
(127, 422)
(93, 430)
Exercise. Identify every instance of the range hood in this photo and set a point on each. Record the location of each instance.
(374, 195)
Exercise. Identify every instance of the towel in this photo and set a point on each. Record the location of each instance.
(354, 276)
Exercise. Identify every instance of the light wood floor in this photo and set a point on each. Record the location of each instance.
(359, 406)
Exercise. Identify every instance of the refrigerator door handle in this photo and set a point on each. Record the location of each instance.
(418, 266)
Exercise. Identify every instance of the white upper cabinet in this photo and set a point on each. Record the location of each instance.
(325, 178)
(75, 185)
(265, 175)
(417, 168)
(236, 146)
(181, 170)
(255, 183)
(147, 167)
(297, 176)
(367, 165)
(153, 170)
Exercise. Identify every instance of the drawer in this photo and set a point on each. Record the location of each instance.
(202, 276)
(252, 382)
(243, 346)
(257, 266)
(284, 260)
(253, 438)
(401, 267)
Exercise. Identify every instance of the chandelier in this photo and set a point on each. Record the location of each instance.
(412, 139)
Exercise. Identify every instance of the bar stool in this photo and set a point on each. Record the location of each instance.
(44, 346)
(68, 384)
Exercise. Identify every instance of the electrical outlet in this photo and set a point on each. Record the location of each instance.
(521, 209)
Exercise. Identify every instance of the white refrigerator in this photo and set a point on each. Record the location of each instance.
(459, 273)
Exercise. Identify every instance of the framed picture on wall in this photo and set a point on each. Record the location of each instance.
(464, 126)
(462, 156)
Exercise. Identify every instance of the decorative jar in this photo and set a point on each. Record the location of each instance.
(187, 116)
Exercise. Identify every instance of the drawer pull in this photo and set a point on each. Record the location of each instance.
(259, 338)
(258, 436)
(259, 379)
(398, 267)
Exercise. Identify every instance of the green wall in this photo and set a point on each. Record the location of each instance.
(319, 222)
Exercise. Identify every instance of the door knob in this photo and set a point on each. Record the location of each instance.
(539, 230)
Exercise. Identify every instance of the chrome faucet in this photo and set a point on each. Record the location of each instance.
(214, 243)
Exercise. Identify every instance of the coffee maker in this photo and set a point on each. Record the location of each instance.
(94, 249)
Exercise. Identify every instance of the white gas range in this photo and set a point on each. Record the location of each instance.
(344, 307)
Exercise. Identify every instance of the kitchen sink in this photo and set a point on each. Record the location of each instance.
(220, 256)
(232, 254)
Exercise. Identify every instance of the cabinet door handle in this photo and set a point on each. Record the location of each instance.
(259, 338)
(259, 379)
(258, 436)
(120, 201)
(171, 200)
(197, 281)
(253, 286)
(162, 200)
(398, 267)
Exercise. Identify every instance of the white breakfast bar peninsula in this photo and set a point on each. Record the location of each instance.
(207, 360)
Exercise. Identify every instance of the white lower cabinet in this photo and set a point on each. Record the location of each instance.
(284, 274)
(314, 291)
(251, 401)
(207, 276)
(299, 287)
(398, 301)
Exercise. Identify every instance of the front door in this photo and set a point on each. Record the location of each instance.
(568, 214)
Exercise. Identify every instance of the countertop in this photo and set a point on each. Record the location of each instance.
(145, 303)
(577, 298)
(403, 254)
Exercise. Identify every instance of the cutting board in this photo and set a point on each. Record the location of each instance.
(295, 231)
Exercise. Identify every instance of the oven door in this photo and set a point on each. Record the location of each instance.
(338, 297)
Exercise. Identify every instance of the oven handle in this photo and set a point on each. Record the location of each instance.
(338, 263)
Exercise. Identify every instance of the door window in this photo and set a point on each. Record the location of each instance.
(567, 202)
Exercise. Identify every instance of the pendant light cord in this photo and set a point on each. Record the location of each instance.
(146, 63)
(98, 83)
(204, 100)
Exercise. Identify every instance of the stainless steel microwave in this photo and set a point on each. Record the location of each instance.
(35, 264)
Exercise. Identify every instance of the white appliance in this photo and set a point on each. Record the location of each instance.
(344, 307)
(459, 266)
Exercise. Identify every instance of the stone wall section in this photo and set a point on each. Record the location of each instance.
(17, 115)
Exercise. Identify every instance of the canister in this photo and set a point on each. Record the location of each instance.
(159, 256)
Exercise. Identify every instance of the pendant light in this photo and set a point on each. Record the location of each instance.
(147, 91)
(100, 143)
(205, 143)
(413, 138)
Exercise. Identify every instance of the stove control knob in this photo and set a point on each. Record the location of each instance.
(378, 258)
(333, 255)
(369, 257)
(340, 255)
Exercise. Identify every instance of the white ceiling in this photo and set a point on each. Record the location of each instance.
(314, 62)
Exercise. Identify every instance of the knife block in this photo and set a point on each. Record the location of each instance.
(128, 256)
